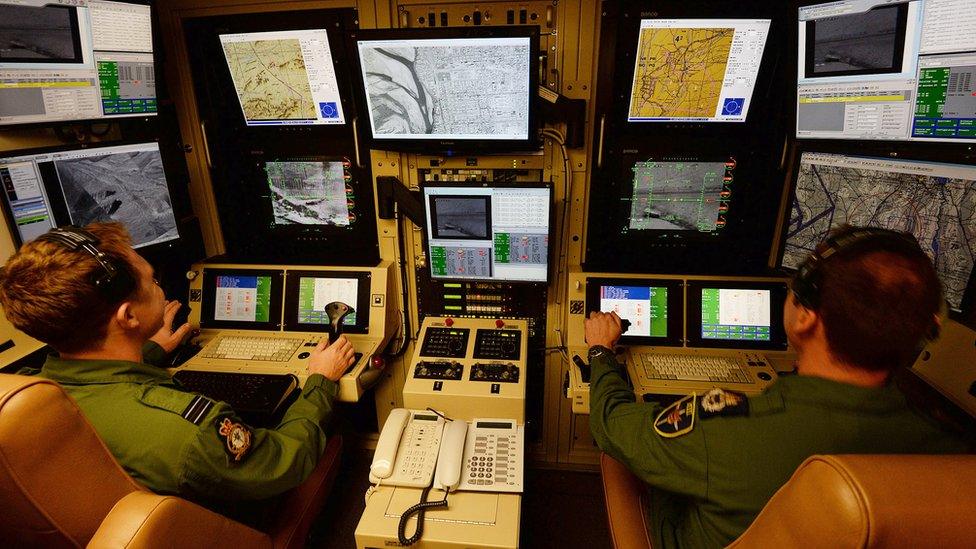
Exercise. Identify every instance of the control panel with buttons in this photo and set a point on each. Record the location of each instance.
(441, 369)
(502, 372)
(445, 342)
(498, 344)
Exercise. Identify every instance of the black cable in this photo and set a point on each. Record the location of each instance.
(404, 297)
(421, 510)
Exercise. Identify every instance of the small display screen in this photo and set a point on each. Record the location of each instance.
(735, 314)
(243, 298)
(315, 293)
(425, 417)
(646, 307)
(494, 425)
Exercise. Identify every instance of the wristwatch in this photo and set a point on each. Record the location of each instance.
(598, 351)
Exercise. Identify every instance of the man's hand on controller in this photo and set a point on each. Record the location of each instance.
(602, 329)
(332, 360)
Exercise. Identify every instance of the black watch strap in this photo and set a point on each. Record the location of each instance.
(597, 351)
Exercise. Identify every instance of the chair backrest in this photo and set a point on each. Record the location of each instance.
(57, 478)
(871, 501)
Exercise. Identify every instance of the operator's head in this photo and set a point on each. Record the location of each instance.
(70, 287)
(874, 293)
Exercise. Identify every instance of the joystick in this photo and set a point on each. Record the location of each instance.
(336, 312)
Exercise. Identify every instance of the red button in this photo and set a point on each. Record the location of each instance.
(500, 323)
(449, 322)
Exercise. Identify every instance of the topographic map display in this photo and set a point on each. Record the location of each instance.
(308, 193)
(677, 195)
(128, 187)
(271, 79)
(939, 211)
(679, 72)
(448, 90)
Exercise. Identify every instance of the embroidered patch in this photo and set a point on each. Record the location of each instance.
(677, 419)
(237, 438)
(719, 402)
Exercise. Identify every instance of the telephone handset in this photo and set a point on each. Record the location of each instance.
(407, 449)
(449, 460)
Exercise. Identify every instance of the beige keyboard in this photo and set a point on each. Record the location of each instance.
(693, 368)
(272, 349)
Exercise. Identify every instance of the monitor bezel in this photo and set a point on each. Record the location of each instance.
(145, 117)
(8, 210)
(777, 334)
(676, 307)
(208, 297)
(489, 185)
(362, 305)
(450, 147)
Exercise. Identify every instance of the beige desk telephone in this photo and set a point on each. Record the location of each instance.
(417, 447)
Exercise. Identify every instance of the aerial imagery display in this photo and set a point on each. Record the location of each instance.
(308, 193)
(38, 34)
(677, 195)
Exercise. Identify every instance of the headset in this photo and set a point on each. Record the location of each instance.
(115, 282)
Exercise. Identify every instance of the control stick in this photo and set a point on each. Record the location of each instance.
(336, 311)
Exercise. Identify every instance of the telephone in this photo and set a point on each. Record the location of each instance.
(418, 447)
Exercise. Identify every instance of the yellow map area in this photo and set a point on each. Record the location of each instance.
(679, 72)
(271, 80)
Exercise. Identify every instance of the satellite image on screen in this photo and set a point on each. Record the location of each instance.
(308, 193)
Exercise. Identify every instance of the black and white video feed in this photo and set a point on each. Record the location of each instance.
(127, 187)
(859, 43)
(42, 34)
(461, 217)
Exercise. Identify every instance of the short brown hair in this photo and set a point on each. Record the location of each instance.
(878, 303)
(47, 291)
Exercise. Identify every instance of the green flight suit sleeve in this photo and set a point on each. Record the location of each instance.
(153, 354)
(274, 461)
(624, 429)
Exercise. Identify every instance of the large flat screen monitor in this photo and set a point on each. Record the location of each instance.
(488, 233)
(284, 77)
(242, 299)
(450, 89)
(887, 70)
(308, 292)
(736, 314)
(124, 183)
(696, 70)
(77, 60)
(933, 201)
(655, 308)
(680, 195)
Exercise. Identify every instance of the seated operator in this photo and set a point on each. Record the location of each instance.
(859, 309)
(168, 439)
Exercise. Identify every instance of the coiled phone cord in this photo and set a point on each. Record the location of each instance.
(420, 509)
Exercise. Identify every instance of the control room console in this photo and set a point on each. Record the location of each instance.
(468, 368)
(266, 319)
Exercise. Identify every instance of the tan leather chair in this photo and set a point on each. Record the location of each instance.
(836, 502)
(60, 486)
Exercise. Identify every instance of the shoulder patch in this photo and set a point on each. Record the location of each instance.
(719, 402)
(236, 438)
(197, 409)
(677, 419)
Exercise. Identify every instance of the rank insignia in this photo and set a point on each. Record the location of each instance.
(719, 402)
(237, 438)
(677, 419)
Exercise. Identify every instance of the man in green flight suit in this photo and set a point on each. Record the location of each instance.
(91, 297)
(859, 309)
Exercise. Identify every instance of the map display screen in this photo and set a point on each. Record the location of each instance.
(284, 77)
(646, 307)
(735, 314)
(122, 183)
(696, 70)
(79, 60)
(488, 233)
(461, 88)
(310, 192)
(935, 202)
(242, 298)
(681, 196)
(315, 293)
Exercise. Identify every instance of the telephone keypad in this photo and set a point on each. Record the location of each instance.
(415, 463)
(494, 462)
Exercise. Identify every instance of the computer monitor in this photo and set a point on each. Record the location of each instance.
(450, 90)
(933, 201)
(308, 292)
(284, 77)
(736, 314)
(887, 70)
(242, 299)
(653, 307)
(696, 70)
(681, 195)
(498, 233)
(124, 183)
(62, 61)
(310, 191)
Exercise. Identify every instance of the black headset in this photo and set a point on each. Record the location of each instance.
(806, 284)
(113, 281)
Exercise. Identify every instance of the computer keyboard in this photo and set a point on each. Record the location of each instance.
(693, 368)
(271, 349)
(257, 393)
